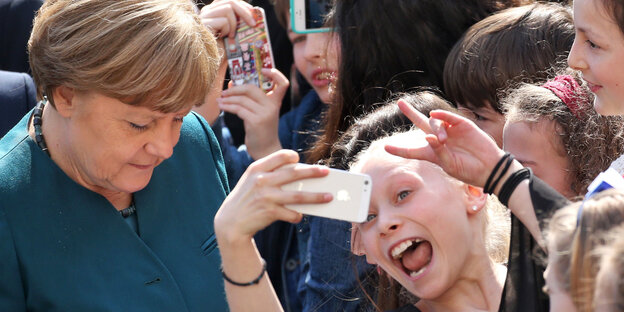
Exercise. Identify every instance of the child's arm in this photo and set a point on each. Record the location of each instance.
(259, 112)
(220, 18)
(467, 153)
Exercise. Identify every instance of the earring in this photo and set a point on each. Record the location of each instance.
(474, 208)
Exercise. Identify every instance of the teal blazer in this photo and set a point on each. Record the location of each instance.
(65, 248)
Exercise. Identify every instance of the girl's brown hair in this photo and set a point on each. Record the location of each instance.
(576, 235)
(517, 44)
(590, 141)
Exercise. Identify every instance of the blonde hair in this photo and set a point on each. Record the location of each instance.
(153, 53)
(496, 220)
(575, 244)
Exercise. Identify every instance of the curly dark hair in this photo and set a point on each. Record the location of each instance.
(590, 142)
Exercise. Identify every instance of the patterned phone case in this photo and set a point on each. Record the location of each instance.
(250, 51)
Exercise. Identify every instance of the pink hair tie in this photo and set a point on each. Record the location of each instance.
(568, 90)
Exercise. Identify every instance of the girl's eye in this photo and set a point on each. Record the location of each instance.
(370, 217)
(402, 195)
(178, 119)
(297, 39)
(591, 44)
(138, 127)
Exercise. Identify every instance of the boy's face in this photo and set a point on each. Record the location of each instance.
(486, 118)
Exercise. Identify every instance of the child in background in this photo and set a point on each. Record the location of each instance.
(574, 234)
(609, 292)
(518, 44)
(554, 130)
(387, 47)
(315, 57)
(284, 245)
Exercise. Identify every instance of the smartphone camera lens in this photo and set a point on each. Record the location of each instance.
(366, 182)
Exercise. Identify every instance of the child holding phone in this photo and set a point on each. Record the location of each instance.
(315, 57)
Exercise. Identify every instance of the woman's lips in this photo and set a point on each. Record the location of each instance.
(142, 167)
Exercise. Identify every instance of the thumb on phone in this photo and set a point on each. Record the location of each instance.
(280, 82)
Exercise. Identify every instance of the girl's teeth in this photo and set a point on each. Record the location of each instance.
(398, 250)
(323, 76)
(417, 273)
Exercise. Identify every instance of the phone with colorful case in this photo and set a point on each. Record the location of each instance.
(250, 51)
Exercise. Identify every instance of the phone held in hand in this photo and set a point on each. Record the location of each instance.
(308, 16)
(351, 195)
(250, 51)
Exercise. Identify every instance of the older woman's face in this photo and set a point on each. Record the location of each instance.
(418, 229)
(113, 146)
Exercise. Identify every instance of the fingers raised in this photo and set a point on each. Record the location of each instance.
(421, 121)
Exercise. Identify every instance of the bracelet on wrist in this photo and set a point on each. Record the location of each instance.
(512, 183)
(507, 159)
(254, 282)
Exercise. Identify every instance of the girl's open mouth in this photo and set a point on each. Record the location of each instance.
(413, 256)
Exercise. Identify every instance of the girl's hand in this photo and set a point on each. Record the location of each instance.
(220, 16)
(455, 143)
(259, 112)
(258, 200)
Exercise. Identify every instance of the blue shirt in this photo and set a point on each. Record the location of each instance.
(66, 248)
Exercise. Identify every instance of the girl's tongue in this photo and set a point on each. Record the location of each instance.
(416, 258)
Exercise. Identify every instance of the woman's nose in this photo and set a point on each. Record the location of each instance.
(163, 141)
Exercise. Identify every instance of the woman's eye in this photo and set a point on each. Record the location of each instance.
(178, 119)
(591, 44)
(138, 127)
(402, 195)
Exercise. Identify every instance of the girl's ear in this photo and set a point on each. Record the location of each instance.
(475, 200)
(64, 100)
(357, 248)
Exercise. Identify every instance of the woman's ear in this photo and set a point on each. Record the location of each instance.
(476, 199)
(64, 100)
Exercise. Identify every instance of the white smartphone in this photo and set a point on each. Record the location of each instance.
(308, 16)
(351, 195)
